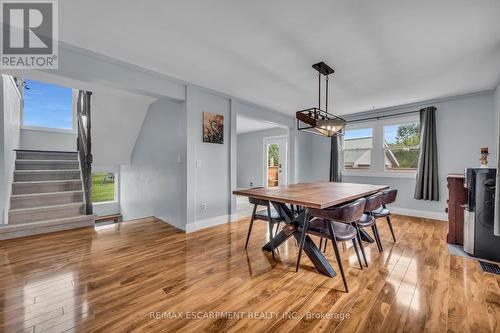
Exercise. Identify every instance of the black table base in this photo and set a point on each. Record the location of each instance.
(292, 229)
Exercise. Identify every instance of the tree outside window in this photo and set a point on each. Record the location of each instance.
(401, 146)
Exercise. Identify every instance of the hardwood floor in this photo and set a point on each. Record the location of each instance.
(146, 276)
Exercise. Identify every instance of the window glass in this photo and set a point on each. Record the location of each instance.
(103, 186)
(358, 144)
(401, 146)
(47, 105)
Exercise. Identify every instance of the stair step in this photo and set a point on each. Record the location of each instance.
(45, 199)
(46, 164)
(46, 186)
(45, 155)
(36, 214)
(9, 231)
(33, 175)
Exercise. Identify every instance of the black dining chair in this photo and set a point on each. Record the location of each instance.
(373, 202)
(271, 216)
(335, 224)
(388, 197)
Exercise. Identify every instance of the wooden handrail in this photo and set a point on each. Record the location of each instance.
(84, 145)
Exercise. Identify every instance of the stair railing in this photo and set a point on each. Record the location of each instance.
(84, 144)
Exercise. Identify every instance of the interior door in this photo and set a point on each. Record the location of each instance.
(276, 161)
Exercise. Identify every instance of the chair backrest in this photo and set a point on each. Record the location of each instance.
(373, 202)
(346, 213)
(389, 196)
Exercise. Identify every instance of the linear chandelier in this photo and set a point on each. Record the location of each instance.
(315, 120)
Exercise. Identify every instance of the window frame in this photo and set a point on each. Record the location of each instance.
(377, 168)
(74, 97)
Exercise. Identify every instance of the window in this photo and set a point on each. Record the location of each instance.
(47, 106)
(358, 144)
(103, 186)
(401, 146)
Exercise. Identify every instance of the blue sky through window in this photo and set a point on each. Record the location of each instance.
(389, 133)
(48, 105)
(358, 133)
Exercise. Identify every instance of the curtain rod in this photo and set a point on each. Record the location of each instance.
(387, 116)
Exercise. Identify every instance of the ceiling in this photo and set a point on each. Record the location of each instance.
(246, 124)
(385, 53)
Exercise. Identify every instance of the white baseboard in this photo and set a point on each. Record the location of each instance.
(164, 219)
(419, 213)
(222, 219)
(207, 223)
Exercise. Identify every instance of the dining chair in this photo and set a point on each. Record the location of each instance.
(335, 224)
(267, 214)
(373, 202)
(388, 197)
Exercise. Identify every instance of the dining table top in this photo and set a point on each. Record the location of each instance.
(313, 195)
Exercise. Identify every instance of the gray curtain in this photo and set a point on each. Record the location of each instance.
(336, 159)
(496, 215)
(427, 186)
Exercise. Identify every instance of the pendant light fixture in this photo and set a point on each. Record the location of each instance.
(315, 120)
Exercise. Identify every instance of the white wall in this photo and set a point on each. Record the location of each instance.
(464, 125)
(497, 118)
(10, 120)
(154, 184)
(41, 139)
(116, 122)
(251, 156)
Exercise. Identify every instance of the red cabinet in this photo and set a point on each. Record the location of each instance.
(457, 195)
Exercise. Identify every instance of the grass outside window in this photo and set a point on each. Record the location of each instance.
(103, 187)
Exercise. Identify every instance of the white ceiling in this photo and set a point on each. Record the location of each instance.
(246, 124)
(384, 52)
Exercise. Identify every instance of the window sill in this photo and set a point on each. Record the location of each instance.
(48, 129)
(386, 174)
(104, 203)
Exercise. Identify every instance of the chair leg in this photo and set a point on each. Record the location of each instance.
(337, 255)
(355, 244)
(390, 227)
(360, 242)
(326, 242)
(276, 232)
(375, 235)
(251, 225)
(378, 236)
(305, 227)
(320, 243)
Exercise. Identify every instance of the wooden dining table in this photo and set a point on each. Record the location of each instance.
(319, 195)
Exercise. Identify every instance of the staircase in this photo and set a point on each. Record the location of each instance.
(47, 194)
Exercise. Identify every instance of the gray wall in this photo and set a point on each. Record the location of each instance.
(154, 184)
(212, 168)
(10, 120)
(464, 125)
(208, 175)
(251, 156)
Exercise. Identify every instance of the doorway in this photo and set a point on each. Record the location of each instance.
(276, 161)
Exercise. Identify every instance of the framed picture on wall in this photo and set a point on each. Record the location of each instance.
(213, 128)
